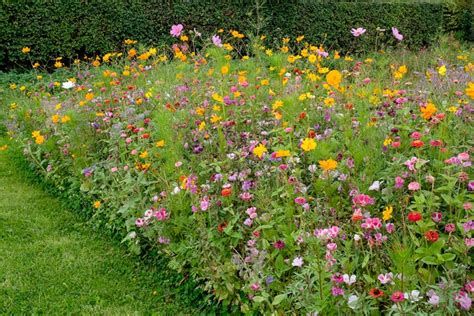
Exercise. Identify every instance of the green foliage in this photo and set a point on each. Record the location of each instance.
(75, 28)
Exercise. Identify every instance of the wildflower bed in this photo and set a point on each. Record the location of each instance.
(293, 180)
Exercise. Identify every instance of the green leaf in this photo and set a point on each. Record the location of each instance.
(279, 298)
(448, 256)
(429, 260)
(258, 299)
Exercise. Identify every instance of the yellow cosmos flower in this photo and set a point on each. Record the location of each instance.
(428, 111)
(308, 144)
(97, 204)
(25, 50)
(470, 90)
(259, 150)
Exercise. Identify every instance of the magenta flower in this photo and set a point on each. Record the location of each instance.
(176, 30)
(358, 31)
(397, 34)
(216, 40)
(399, 182)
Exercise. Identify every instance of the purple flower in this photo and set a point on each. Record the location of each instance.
(337, 291)
(176, 30)
(297, 262)
(216, 40)
(397, 34)
(358, 31)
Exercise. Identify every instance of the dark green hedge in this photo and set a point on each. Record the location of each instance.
(72, 28)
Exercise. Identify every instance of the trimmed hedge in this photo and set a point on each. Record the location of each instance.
(72, 28)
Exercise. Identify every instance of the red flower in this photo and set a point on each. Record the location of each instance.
(302, 115)
(417, 143)
(145, 136)
(311, 134)
(221, 227)
(414, 217)
(376, 293)
(432, 235)
(226, 192)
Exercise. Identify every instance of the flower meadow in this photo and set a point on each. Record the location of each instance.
(284, 180)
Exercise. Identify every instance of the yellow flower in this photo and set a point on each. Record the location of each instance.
(300, 38)
(89, 96)
(215, 118)
(282, 153)
(403, 69)
(312, 58)
(36, 65)
(65, 119)
(277, 104)
(160, 144)
(58, 64)
(144, 155)
(327, 165)
(132, 53)
(224, 70)
(55, 118)
(387, 213)
(329, 102)
(387, 141)
(442, 70)
(25, 50)
(334, 78)
(97, 204)
(428, 111)
(470, 90)
(308, 144)
(259, 150)
(3, 148)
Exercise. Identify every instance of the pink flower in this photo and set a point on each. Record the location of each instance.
(399, 182)
(337, 291)
(397, 34)
(216, 40)
(385, 278)
(255, 287)
(176, 30)
(413, 186)
(358, 31)
(300, 200)
(415, 135)
(363, 200)
(398, 297)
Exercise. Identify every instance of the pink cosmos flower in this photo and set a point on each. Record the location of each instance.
(176, 30)
(397, 34)
(358, 31)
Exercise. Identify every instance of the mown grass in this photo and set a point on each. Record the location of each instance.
(52, 263)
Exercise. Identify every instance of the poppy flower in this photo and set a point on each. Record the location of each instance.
(414, 217)
(376, 293)
(431, 236)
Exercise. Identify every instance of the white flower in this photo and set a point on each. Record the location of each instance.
(68, 85)
(352, 301)
(297, 262)
(375, 186)
(414, 296)
(349, 279)
(176, 190)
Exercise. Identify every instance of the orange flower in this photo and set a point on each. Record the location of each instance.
(327, 165)
(428, 111)
(334, 78)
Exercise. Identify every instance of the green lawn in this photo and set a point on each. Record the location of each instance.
(51, 261)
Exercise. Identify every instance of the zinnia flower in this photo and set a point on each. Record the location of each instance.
(376, 293)
(414, 217)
